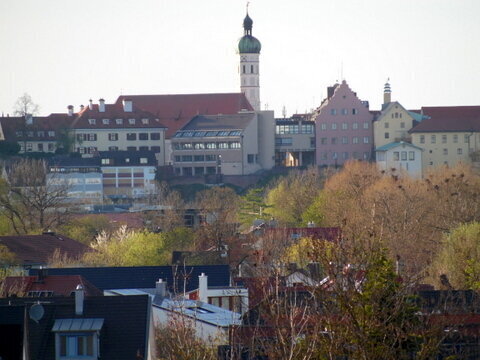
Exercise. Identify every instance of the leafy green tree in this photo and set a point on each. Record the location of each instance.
(315, 213)
(293, 194)
(86, 228)
(252, 206)
(459, 257)
(132, 248)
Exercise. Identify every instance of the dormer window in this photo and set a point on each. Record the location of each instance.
(30, 133)
(143, 160)
(119, 121)
(105, 161)
(92, 121)
(106, 121)
(77, 338)
(41, 133)
(131, 121)
(144, 121)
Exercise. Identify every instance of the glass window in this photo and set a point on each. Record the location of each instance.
(402, 125)
(234, 145)
(334, 141)
(355, 125)
(396, 156)
(433, 139)
(411, 155)
(324, 156)
(92, 121)
(199, 133)
(145, 121)
(422, 139)
(223, 145)
(323, 141)
(131, 136)
(366, 156)
(211, 145)
(187, 157)
(119, 121)
(199, 158)
(366, 139)
(387, 135)
(444, 139)
(210, 157)
(455, 138)
(106, 121)
(155, 136)
(307, 129)
(466, 138)
(344, 126)
(113, 136)
(459, 151)
(334, 155)
(355, 140)
(445, 151)
(344, 140)
(345, 155)
(223, 133)
(235, 133)
(187, 146)
(211, 133)
(404, 155)
(333, 111)
(366, 125)
(344, 111)
(354, 111)
(334, 126)
(381, 156)
(199, 146)
(386, 125)
(323, 126)
(131, 121)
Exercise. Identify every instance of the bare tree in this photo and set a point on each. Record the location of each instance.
(32, 199)
(24, 106)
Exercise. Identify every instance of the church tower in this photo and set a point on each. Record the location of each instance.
(249, 50)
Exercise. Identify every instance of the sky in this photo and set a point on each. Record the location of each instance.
(64, 52)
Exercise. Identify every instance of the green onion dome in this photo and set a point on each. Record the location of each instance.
(249, 44)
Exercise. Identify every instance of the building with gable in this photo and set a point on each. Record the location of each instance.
(343, 127)
(400, 157)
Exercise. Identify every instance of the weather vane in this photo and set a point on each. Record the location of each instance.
(248, 3)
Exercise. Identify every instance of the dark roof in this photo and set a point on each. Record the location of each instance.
(38, 249)
(145, 277)
(174, 111)
(67, 161)
(52, 122)
(219, 122)
(123, 334)
(120, 158)
(60, 285)
(449, 119)
(113, 112)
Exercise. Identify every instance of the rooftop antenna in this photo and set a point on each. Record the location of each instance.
(248, 3)
(284, 111)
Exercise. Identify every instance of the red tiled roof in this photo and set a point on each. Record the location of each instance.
(113, 112)
(449, 119)
(38, 249)
(175, 111)
(61, 285)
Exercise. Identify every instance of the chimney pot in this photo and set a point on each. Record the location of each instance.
(79, 297)
(70, 110)
(101, 105)
(161, 288)
(203, 288)
(90, 104)
(127, 105)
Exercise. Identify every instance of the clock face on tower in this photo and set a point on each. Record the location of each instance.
(243, 58)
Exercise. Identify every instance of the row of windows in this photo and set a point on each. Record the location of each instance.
(402, 125)
(107, 161)
(40, 147)
(114, 136)
(283, 141)
(252, 69)
(344, 126)
(190, 158)
(197, 171)
(93, 149)
(433, 139)
(50, 133)
(445, 151)
(294, 129)
(344, 140)
(207, 145)
(190, 133)
(396, 115)
(345, 155)
(343, 111)
(402, 155)
(132, 121)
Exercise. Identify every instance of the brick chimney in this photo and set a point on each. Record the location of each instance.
(101, 105)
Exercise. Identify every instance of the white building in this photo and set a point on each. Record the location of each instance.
(400, 157)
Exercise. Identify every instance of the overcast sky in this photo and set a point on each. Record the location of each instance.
(65, 52)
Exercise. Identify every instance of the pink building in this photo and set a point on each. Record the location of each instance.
(343, 127)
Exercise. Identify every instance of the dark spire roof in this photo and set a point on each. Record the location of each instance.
(247, 25)
(248, 43)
